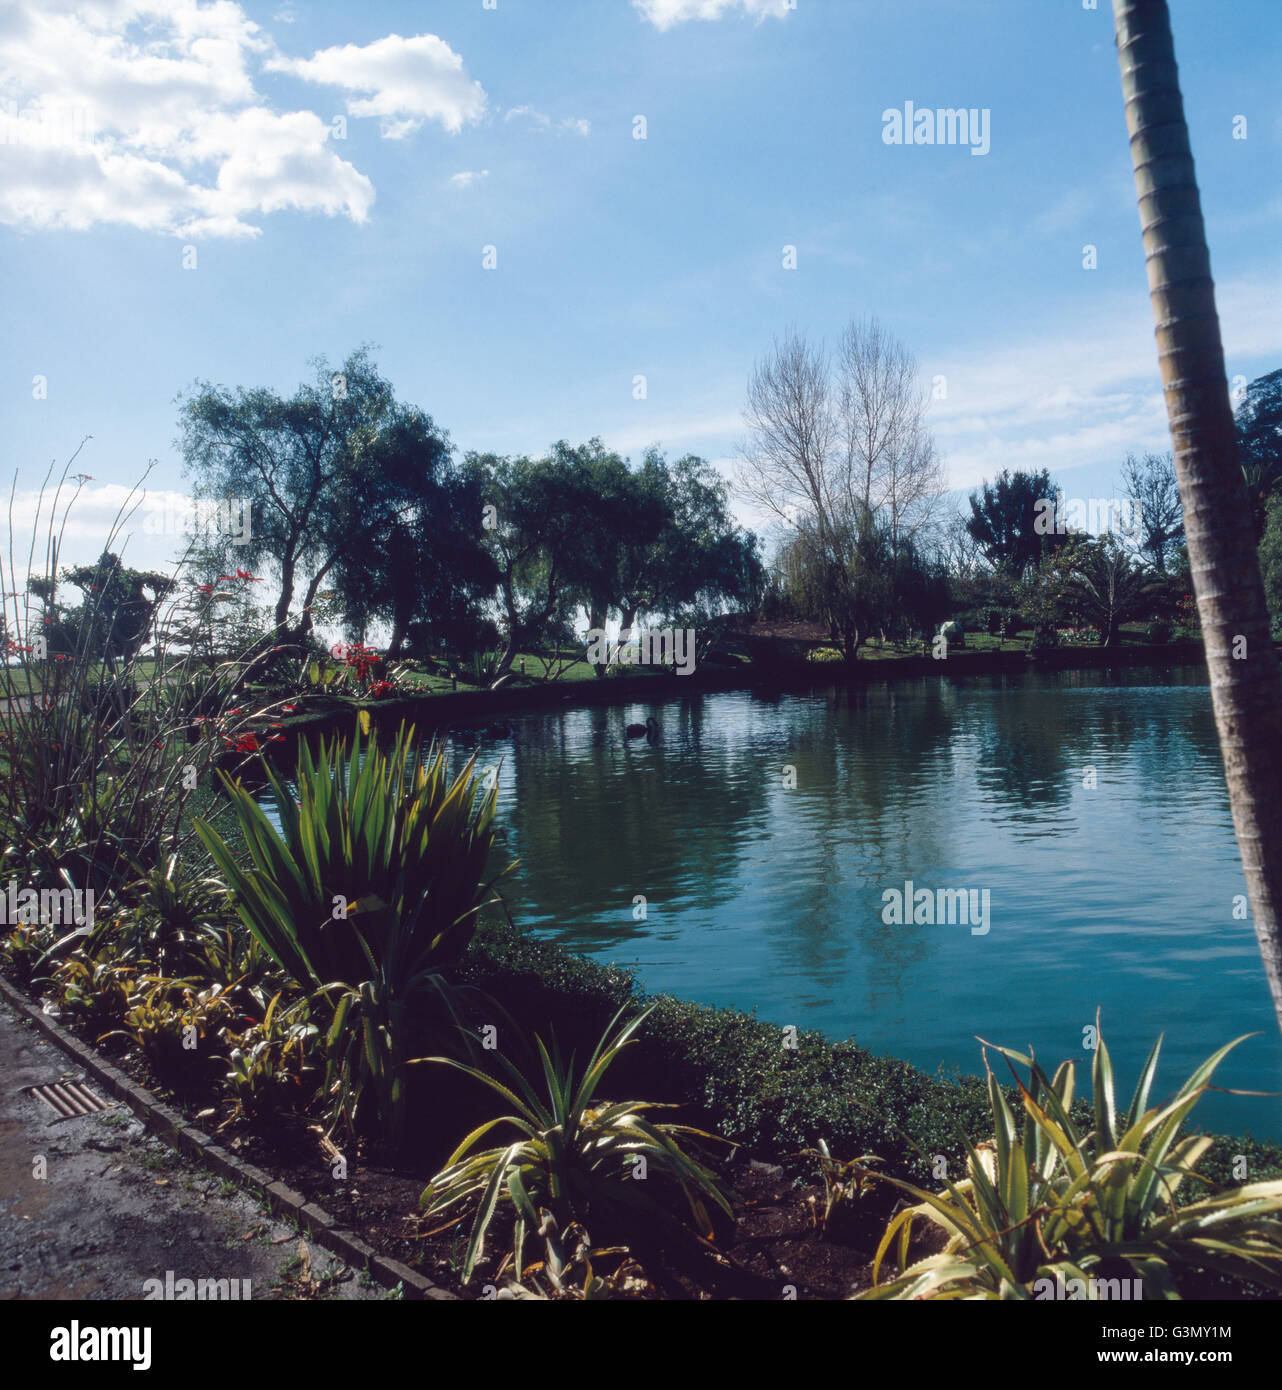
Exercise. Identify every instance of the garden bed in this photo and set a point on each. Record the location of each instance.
(721, 1070)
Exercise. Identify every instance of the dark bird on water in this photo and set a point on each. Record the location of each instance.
(650, 729)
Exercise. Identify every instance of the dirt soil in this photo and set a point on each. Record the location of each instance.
(772, 1251)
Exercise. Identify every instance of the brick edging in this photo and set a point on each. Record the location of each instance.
(170, 1127)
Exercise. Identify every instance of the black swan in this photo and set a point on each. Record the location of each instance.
(650, 729)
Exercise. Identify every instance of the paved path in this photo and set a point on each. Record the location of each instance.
(116, 1207)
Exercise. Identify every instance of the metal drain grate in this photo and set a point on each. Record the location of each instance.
(68, 1098)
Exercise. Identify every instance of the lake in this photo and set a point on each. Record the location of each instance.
(1113, 889)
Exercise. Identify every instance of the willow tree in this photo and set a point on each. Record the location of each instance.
(1246, 688)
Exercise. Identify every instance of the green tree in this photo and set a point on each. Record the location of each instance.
(1259, 442)
(310, 468)
(696, 560)
(116, 617)
(1101, 585)
(430, 575)
(1005, 516)
(542, 512)
(1271, 558)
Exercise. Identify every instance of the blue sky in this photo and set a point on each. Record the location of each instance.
(214, 127)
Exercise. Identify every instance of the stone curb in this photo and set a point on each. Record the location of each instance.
(170, 1127)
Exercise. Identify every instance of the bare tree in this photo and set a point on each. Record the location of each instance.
(840, 452)
(890, 460)
(1246, 689)
(1152, 486)
(786, 465)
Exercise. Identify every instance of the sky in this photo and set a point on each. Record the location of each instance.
(221, 191)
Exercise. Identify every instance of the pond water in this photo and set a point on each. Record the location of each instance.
(765, 895)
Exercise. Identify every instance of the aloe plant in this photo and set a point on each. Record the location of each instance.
(1058, 1203)
(367, 895)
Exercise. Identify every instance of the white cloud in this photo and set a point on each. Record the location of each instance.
(406, 82)
(539, 119)
(1086, 394)
(665, 14)
(542, 121)
(467, 177)
(144, 113)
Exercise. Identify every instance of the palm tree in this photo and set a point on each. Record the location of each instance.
(1246, 687)
(1103, 587)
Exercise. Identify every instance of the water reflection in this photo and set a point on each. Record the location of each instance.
(1114, 890)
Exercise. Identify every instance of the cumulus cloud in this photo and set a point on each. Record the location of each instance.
(404, 82)
(144, 113)
(666, 14)
(466, 177)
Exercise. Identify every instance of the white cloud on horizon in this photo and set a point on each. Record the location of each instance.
(1086, 395)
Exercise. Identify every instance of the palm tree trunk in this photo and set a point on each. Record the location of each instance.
(1246, 688)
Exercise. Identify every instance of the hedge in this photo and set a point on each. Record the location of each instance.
(732, 1073)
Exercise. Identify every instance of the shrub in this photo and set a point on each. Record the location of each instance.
(268, 1059)
(172, 1021)
(575, 1157)
(366, 895)
(1159, 632)
(729, 1068)
(93, 993)
(1058, 1202)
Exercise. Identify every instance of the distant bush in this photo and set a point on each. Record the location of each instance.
(1159, 632)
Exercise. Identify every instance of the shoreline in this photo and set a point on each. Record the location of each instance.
(430, 711)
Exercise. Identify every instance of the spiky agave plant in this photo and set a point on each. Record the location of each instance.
(575, 1157)
(1057, 1203)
